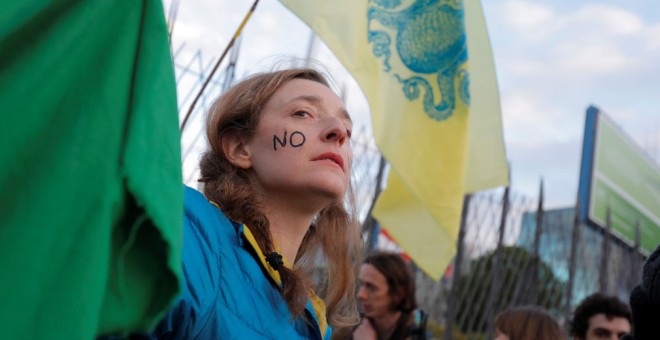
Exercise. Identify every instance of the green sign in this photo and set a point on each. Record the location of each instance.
(627, 182)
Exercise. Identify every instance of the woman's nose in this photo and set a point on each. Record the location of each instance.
(335, 131)
(361, 295)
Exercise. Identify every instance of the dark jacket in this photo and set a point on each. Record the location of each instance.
(645, 301)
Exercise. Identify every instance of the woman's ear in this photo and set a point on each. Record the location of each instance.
(235, 149)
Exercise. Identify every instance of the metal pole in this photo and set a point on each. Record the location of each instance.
(458, 262)
(217, 64)
(534, 280)
(369, 224)
(493, 301)
(605, 254)
(231, 68)
(311, 47)
(575, 241)
(171, 19)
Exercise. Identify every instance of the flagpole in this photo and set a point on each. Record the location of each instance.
(217, 64)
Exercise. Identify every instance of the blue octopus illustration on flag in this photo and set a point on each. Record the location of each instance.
(430, 47)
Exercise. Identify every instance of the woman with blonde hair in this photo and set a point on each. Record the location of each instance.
(527, 323)
(274, 186)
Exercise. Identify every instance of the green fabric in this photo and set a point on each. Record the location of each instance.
(91, 201)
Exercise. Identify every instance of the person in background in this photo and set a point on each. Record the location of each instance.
(527, 323)
(601, 317)
(272, 206)
(645, 301)
(387, 298)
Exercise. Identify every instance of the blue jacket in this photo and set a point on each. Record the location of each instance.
(229, 290)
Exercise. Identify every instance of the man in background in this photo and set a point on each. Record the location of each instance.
(601, 317)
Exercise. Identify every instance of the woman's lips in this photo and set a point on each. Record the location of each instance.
(336, 158)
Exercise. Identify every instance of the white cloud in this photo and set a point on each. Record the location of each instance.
(524, 15)
(609, 19)
(523, 67)
(533, 20)
(529, 121)
(584, 59)
(653, 39)
(589, 43)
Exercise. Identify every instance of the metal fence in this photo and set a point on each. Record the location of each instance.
(505, 260)
(503, 257)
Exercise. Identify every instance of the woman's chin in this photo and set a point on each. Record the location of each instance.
(331, 193)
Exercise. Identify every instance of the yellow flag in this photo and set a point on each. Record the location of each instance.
(436, 118)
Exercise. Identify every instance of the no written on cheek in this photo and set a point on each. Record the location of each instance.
(296, 139)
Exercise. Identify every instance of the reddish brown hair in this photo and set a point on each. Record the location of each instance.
(334, 233)
(522, 323)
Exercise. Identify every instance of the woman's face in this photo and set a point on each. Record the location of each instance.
(301, 148)
(374, 294)
(500, 336)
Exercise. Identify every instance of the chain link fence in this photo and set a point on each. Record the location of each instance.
(504, 260)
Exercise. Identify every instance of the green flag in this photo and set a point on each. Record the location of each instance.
(90, 173)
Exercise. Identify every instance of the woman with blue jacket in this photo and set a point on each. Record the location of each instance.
(272, 206)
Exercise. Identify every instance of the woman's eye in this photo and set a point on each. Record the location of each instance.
(349, 133)
(301, 113)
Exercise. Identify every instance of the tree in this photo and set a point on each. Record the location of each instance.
(516, 273)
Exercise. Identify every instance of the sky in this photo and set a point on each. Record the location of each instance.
(553, 58)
